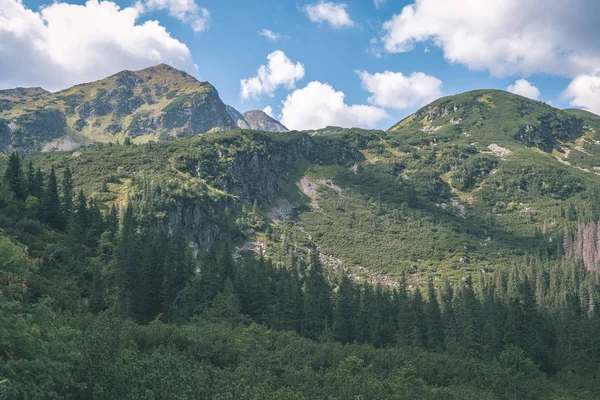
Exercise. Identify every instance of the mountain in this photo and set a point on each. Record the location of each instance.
(256, 120)
(238, 118)
(321, 264)
(143, 105)
(259, 120)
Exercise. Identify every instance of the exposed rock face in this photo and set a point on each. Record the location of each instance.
(238, 118)
(256, 120)
(259, 120)
(153, 102)
(249, 174)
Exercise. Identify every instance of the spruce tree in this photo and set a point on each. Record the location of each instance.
(405, 317)
(177, 270)
(67, 191)
(317, 300)
(127, 264)
(435, 326)
(38, 186)
(51, 208)
(366, 317)
(419, 333)
(30, 180)
(287, 309)
(79, 222)
(343, 317)
(13, 175)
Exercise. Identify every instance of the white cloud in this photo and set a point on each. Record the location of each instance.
(64, 44)
(503, 36)
(584, 91)
(318, 105)
(186, 11)
(379, 3)
(269, 34)
(280, 71)
(394, 90)
(269, 111)
(334, 14)
(524, 88)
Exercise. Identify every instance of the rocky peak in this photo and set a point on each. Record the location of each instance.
(255, 119)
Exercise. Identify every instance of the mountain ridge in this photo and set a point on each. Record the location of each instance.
(143, 105)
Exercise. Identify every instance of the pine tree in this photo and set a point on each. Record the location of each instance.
(384, 329)
(79, 222)
(67, 192)
(317, 300)
(13, 175)
(405, 316)
(51, 209)
(435, 326)
(366, 317)
(38, 185)
(287, 309)
(419, 333)
(128, 264)
(30, 180)
(177, 270)
(448, 318)
(210, 279)
(343, 317)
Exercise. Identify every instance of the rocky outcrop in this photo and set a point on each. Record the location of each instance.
(256, 120)
(238, 118)
(259, 120)
(251, 172)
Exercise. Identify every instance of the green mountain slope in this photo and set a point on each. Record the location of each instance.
(142, 105)
(125, 273)
(475, 181)
(469, 182)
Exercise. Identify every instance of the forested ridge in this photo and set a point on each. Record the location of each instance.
(101, 305)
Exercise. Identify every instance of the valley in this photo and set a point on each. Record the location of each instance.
(152, 234)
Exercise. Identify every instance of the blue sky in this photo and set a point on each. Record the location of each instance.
(448, 41)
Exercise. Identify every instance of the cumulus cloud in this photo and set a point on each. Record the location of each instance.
(524, 88)
(186, 11)
(64, 44)
(394, 90)
(279, 71)
(269, 34)
(584, 91)
(379, 3)
(334, 14)
(269, 111)
(502, 36)
(318, 105)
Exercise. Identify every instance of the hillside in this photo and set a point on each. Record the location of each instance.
(451, 189)
(143, 105)
(422, 262)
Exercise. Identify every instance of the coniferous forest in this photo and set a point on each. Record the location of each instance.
(103, 303)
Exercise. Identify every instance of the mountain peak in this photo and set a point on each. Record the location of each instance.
(255, 119)
(492, 116)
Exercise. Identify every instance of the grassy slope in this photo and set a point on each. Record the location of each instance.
(473, 209)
